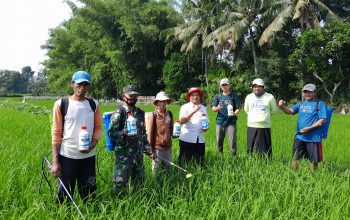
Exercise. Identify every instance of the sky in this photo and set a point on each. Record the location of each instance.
(24, 27)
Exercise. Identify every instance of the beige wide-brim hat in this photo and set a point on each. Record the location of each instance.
(161, 96)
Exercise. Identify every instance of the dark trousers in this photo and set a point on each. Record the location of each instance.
(82, 171)
(259, 139)
(190, 151)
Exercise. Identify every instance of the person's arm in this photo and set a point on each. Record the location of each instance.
(117, 131)
(216, 104)
(150, 129)
(171, 127)
(186, 117)
(322, 115)
(273, 105)
(317, 124)
(57, 132)
(284, 108)
(237, 104)
(246, 104)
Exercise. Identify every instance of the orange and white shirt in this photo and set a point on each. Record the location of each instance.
(79, 113)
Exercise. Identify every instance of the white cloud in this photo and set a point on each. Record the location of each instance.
(24, 27)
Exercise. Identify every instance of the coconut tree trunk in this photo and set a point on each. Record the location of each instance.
(206, 68)
(254, 53)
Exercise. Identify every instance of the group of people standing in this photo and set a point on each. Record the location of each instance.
(72, 165)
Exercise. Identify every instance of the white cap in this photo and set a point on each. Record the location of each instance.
(309, 87)
(161, 96)
(224, 81)
(258, 82)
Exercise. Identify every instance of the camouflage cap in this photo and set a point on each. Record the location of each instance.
(130, 90)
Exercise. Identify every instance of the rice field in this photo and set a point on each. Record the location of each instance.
(227, 187)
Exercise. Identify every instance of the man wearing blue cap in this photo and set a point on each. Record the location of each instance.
(311, 116)
(69, 162)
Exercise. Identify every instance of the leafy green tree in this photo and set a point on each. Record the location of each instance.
(9, 79)
(26, 78)
(38, 85)
(180, 72)
(117, 41)
(323, 56)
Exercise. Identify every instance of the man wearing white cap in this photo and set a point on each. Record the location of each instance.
(159, 132)
(226, 123)
(259, 105)
(311, 116)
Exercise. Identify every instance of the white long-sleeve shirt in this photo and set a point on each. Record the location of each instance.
(192, 130)
(79, 113)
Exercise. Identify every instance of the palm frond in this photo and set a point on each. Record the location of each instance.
(321, 5)
(236, 32)
(193, 43)
(276, 25)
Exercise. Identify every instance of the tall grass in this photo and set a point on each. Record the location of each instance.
(239, 187)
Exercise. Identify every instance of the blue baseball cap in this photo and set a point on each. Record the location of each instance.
(81, 76)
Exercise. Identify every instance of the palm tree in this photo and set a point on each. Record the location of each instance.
(306, 12)
(199, 17)
(240, 23)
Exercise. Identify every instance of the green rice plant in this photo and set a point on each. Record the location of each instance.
(241, 187)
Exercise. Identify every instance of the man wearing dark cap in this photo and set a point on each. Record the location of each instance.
(311, 116)
(68, 162)
(129, 148)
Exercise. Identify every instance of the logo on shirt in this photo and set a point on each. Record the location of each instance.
(306, 108)
(258, 105)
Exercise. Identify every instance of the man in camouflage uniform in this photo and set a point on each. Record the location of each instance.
(129, 149)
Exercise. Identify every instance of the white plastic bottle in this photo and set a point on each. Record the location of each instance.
(177, 128)
(84, 138)
(204, 122)
(229, 110)
(131, 124)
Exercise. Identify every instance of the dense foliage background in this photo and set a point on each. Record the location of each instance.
(173, 45)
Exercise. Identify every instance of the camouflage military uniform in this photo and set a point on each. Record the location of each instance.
(128, 150)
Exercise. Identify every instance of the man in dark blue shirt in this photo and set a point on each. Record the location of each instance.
(226, 123)
(311, 116)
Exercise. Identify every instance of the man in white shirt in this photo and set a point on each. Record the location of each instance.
(259, 105)
(72, 165)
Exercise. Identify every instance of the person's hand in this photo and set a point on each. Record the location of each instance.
(219, 106)
(150, 154)
(56, 169)
(88, 150)
(195, 108)
(129, 135)
(305, 130)
(281, 103)
(233, 115)
(149, 151)
(91, 146)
